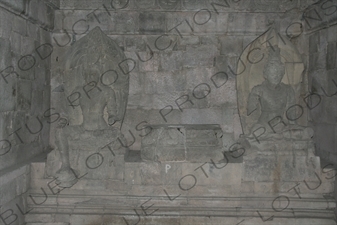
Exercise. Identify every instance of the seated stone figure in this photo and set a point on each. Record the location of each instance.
(275, 100)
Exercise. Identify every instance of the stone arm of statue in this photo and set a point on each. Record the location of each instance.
(111, 105)
(253, 100)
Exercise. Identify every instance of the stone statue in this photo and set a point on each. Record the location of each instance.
(277, 142)
(270, 78)
(96, 91)
(272, 95)
(275, 100)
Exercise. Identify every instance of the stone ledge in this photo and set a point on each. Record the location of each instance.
(176, 220)
(241, 207)
(47, 223)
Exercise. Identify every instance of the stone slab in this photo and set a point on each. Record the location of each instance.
(192, 143)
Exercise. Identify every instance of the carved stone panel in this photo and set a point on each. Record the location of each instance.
(192, 143)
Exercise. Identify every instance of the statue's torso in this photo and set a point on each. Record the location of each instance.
(273, 102)
(93, 108)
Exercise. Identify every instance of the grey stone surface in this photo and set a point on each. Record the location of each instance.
(41, 13)
(197, 53)
(54, 3)
(318, 15)
(151, 23)
(331, 58)
(17, 5)
(323, 69)
(199, 56)
(19, 98)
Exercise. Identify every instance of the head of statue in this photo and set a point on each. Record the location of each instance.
(274, 68)
(92, 56)
(92, 73)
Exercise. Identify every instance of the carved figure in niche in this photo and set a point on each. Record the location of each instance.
(97, 93)
(274, 100)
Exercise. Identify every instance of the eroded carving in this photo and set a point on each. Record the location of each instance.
(96, 89)
(275, 101)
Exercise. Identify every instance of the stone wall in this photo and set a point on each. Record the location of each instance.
(323, 81)
(25, 78)
(24, 97)
(183, 53)
(322, 72)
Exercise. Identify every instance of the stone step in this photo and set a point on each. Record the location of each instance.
(47, 223)
(90, 219)
(216, 206)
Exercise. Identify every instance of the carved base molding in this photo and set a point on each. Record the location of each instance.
(257, 210)
(109, 202)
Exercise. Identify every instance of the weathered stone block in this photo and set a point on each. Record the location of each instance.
(180, 22)
(28, 45)
(175, 4)
(8, 193)
(150, 173)
(221, 63)
(136, 84)
(153, 23)
(248, 39)
(152, 61)
(15, 39)
(18, 6)
(318, 60)
(132, 174)
(146, 4)
(85, 219)
(199, 56)
(205, 116)
(6, 22)
(194, 4)
(313, 42)
(135, 43)
(19, 26)
(19, 201)
(171, 82)
(206, 22)
(129, 22)
(231, 45)
(171, 173)
(189, 40)
(163, 145)
(331, 58)
(5, 51)
(8, 93)
(171, 61)
(332, 34)
(143, 101)
(24, 95)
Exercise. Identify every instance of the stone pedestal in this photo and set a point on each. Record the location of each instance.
(99, 154)
(272, 183)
